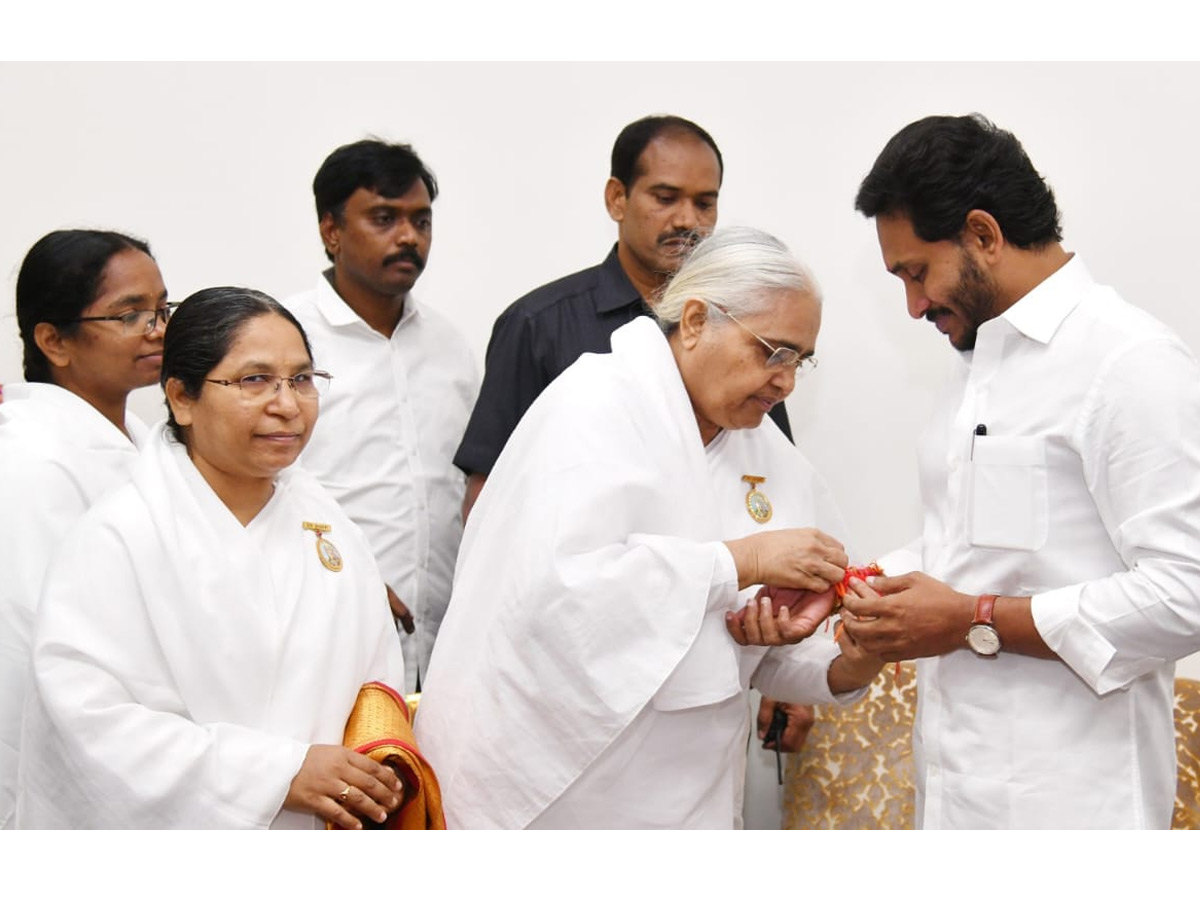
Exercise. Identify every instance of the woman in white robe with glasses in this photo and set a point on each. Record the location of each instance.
(593, 666)
(91, 307)
(206, 629)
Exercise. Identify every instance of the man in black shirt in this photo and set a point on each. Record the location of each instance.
(662, 193)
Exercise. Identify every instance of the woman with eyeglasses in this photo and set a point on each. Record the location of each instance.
(605, 624)
(207, 628)
(91, 306)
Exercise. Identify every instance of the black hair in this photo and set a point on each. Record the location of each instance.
(201, 331)
(60, 277)
(936, 170)
(636, 137)
(389, 170)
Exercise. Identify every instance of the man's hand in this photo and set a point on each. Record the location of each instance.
(779, 616)
(855, 668)
(906, 616)
(400, 611)
(799, 723)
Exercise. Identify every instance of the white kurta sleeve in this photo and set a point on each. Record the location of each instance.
(41, 500)
(573, 607)
(50, 501)
(108, 741)
(799, 673)
(1140, 442)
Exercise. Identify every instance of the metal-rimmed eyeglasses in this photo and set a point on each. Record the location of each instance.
(136, 321)
(779, 357)
(262, 385)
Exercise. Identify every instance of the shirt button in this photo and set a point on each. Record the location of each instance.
(954, 463)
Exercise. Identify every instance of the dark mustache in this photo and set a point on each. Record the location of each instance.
(686, 233)
(405, 255)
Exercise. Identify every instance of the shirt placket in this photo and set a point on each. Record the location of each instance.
(418, 517)
(971, 413)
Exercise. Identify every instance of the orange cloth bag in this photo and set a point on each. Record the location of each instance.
(380, 727)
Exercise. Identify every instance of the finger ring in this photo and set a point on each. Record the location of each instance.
(344, 795)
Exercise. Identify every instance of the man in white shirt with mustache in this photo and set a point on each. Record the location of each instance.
(404, 381)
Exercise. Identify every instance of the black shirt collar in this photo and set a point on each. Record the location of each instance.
(617, 291)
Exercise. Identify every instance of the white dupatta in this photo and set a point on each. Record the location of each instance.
(58, 455)
(183, 663)
(587, 570)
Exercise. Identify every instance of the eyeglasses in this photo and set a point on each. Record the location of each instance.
(308, 385)
(139, 321)
(779, 356)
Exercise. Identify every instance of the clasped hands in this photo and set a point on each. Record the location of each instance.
(798, 568)
(906, 616)
(891, 618)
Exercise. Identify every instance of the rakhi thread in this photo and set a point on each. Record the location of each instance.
(843, 587)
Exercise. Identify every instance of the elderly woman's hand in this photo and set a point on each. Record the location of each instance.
(340, 785)
(801, 558)
(779, 616)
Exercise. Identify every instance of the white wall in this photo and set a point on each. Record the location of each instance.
(213, 164)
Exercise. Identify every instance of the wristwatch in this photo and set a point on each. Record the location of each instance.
(982, 636)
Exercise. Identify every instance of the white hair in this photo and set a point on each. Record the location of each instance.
(740, 268)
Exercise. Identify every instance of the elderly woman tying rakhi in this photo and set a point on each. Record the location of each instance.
(206, 629)
(585, 675)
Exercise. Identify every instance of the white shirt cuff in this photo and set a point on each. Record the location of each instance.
(1058, 620)
(723, 594)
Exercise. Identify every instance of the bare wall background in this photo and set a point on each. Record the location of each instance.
(213, 164)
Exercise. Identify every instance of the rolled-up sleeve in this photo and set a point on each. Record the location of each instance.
(1139, 434)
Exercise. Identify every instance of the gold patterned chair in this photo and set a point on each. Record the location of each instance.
(1187, 748)
(856, 768)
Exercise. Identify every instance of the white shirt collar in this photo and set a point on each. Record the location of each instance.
(1039, 313)
(338, 314)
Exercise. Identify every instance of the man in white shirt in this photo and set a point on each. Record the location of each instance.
(1061, 487)
(404, 381)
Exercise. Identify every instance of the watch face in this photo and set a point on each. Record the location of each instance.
(984, 640)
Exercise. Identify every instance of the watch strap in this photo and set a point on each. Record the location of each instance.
(984, 609)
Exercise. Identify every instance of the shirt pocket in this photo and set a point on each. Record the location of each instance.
(1009, 504)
